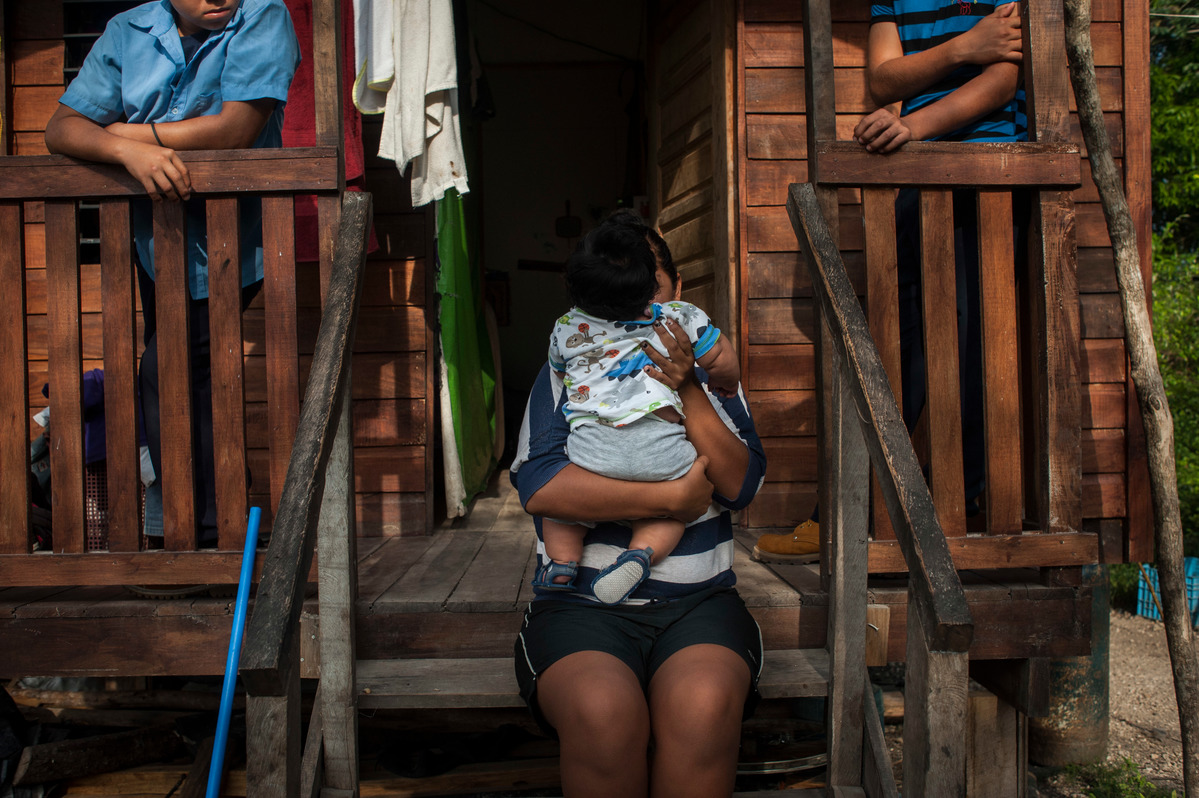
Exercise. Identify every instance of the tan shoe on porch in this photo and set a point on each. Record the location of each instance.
(800, 546)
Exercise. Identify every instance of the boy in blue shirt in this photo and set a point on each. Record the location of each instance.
(182, 75)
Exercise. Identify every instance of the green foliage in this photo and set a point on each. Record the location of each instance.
(1176, 334)
(1174, 81)
(1117, 781)
(1123, 579)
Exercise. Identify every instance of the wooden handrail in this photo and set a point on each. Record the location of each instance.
(935, 585)
(944, 164)
(273, 627)
(265, 171)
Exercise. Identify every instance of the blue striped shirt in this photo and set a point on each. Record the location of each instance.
(704, 556)
(924, 24)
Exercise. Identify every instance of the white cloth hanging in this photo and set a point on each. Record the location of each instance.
(406, 48)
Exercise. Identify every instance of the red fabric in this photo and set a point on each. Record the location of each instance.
(299, 119)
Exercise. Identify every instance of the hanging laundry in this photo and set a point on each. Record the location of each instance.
(405, 52)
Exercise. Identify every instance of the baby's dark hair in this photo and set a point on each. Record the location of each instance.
(612, 272)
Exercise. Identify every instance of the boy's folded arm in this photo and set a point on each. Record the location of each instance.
(236, 127)
(893, 76)
(993, 88)
(158, 169)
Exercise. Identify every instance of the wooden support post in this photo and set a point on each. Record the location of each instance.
(878, 776)
(273, 732)
(336, 552)
(934, 720)
(1023, 683)
(312, 773)
(821, 123)
(845, 468)
(995, 767)
(1057, 464)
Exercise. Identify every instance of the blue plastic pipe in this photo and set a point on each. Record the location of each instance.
(216, 769)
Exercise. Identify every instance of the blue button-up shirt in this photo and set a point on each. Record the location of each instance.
(136, 71)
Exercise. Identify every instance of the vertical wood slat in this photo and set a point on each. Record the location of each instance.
(939, 298)
(821, 121)
(1138, 522)
(328, 218)
(1057, 422)
(723, 44)
(882, 305)
(997, 283)
(846, 467)
(66, 378)
(228, 379)
(120, 376)
(282, 366)
(14, 387)
(1057, 439)
(172, 299)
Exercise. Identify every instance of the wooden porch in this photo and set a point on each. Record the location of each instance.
(459, 593)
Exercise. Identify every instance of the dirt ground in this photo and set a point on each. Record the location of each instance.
(1144, 715)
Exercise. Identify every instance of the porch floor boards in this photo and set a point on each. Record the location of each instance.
(460, 593)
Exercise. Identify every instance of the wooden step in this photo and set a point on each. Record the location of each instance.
(491, 682)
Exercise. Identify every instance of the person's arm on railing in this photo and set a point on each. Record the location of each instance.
(148, 151)
(158, 169)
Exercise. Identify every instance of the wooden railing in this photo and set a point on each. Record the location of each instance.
(317, 502)
(1029, 339)
(862, 425)
(70, 337)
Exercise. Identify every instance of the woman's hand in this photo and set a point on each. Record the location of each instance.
(692, 492)
(677, 366)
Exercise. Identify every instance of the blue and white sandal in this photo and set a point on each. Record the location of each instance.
(546, 574)
(617, 582)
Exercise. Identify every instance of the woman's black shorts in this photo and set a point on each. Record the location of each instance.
(642, 636)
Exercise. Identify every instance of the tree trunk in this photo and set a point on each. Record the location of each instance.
(1147, 379)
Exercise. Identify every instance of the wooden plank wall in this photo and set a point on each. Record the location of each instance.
(779, 321)
(392, 377)
(683, 137)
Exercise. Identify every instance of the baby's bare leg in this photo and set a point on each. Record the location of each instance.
(653, 539)
(659, 534)
(563, 543)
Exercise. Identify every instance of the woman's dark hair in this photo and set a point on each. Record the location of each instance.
(612, 273)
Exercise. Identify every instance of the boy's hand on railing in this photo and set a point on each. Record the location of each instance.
(996, 37)
(882, 131)
(158, 169)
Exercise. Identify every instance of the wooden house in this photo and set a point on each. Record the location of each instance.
(704, 112)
